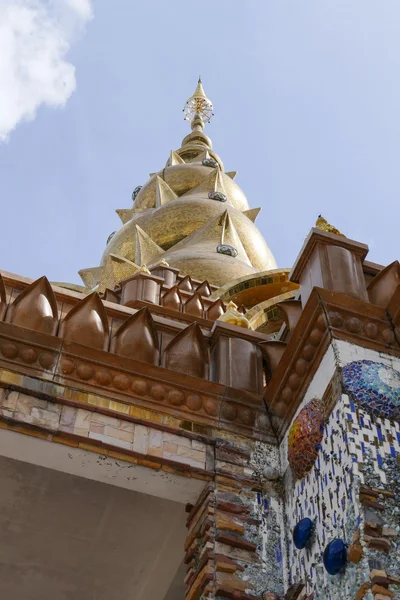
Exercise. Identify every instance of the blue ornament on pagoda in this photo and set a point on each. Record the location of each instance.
(303, 533)
(335, 556)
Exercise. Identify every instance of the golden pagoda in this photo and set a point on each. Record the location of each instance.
(191, 214)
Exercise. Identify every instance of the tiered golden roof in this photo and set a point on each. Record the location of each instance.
(190, 213)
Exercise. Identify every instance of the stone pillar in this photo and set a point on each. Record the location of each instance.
(237, 357)
(331, 262)
(140, 286)
(234, 543)
(168, 274)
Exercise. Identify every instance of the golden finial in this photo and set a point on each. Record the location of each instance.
(143, 269)
(198, 108)
(163, 263)
(234, 317)
(323, 224)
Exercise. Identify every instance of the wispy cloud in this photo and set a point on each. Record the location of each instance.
(35, 36)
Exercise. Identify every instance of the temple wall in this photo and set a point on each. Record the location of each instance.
(352, 490)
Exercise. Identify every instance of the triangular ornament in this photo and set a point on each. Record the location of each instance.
(116, 269)
(146, 250)
(252, 213)
(174, 159)
(164, 194)
(91, 276)
(213, 183)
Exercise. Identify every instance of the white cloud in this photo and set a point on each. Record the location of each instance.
(35, 36)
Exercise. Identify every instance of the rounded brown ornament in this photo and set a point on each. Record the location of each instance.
(67, 367)
(85, 372)
(102, 377)
(308, 352)
(121, 382)
(175, 397)
(335, 319)
(353, 325)
(139, 386)
(211, 407)
(28, 355)
(46, 361)
(158, 392)
(229, 412)
(9, 350)
(194, 402)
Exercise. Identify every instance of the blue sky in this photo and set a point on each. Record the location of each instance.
(307, 110)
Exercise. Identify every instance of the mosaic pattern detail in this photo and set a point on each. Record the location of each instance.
(209, 162)
(373, 386)
(136, 191)
(328, 494)
(305, 436)
(217, 196)
(228, 250)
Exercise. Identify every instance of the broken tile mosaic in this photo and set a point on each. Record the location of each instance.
(373, 386)
(305, 436)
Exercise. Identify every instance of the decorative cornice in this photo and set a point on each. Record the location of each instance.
(131, 382)
(326, 316)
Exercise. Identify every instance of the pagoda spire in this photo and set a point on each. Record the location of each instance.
(198, 108)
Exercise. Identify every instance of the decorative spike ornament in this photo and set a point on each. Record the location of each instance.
(126, 214)
(91, 276)
(116, 269)
(252, 214)
(188, 352)
(164, 194)
(213, 183)
(146, 250)
(174, 159)
(231, 174)
(218, 230)
(86, 323)
(35, 308)
(137, 338)
(202, 156)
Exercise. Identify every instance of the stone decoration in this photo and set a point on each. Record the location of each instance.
(110, 237)
(217, 196)
(227, 250)
(373, 386)
(209, 162)
(35, 308)
(305, 436)
(335, 557)
(303, 533)
(86, 323)
(136, 192)
(188, 353)
(137, 338)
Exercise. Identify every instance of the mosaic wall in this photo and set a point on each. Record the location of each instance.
(358, 449)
